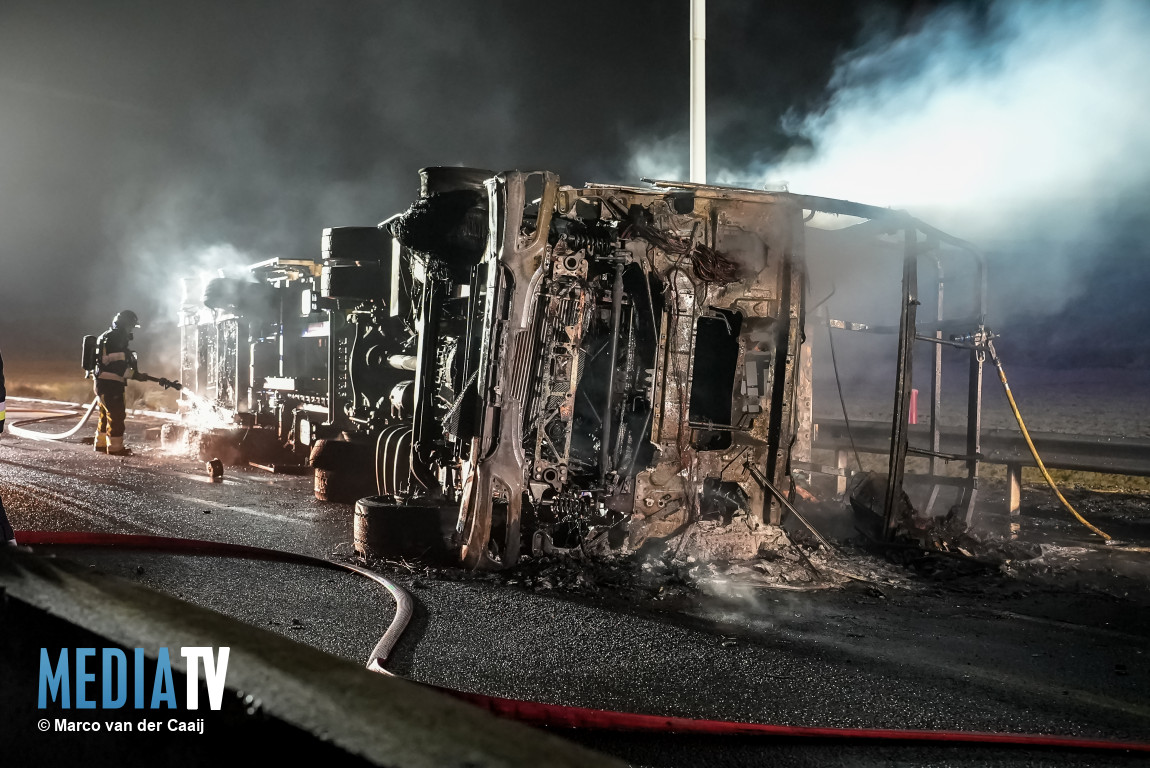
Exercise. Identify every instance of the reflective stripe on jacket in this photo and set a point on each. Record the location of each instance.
(113, 358)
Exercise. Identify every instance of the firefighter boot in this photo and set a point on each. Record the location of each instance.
(116, 447)
(101, 442)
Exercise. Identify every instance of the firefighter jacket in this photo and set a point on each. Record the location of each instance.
(114, 361)
(3, 395)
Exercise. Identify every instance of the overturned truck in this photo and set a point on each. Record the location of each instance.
(519, 366)
(593, 364)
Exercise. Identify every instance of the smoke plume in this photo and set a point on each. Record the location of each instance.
(1021, 126)
(988, 116)
(141, 143)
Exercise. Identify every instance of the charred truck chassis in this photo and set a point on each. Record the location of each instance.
(562, 368)
(545, 367)
(595, 366)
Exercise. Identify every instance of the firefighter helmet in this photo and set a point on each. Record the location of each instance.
(126, 319)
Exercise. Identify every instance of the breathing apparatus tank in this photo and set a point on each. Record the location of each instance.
(88, 356)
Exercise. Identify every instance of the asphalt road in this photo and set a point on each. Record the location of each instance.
(974, 652)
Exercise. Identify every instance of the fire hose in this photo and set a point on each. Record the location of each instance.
(1033, 450)
(560, 716)
(32, 434)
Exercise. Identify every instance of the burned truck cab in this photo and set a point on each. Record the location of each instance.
(593, 366)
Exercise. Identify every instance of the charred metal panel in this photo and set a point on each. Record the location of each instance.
(629, 361)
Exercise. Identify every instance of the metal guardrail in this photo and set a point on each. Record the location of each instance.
(1108, 454)
(1086, 453)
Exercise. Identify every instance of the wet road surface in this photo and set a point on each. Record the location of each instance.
(987, 655)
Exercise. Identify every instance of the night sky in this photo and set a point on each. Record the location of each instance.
(143, 141)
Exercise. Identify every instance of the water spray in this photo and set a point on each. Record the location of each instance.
(206, 410)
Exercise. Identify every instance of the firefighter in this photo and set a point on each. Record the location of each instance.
(115, 364)
(6, 534)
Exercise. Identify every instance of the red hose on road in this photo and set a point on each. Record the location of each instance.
(554, 715)
(559, 716)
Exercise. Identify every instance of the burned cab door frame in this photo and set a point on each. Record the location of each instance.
(495, 468)
(761, 234)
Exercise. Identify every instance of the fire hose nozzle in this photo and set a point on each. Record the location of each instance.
(165, 383)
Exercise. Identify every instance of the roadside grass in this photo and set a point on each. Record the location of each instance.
(67, 384)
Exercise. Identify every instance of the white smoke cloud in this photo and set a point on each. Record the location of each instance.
(659, 159)
(167, 257)
(984, 118)
(1022, 127)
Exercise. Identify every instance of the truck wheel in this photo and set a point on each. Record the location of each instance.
(338, 486)
(356, 244)
(245, 298)
(386, 529)
(340, 280)
(344, 471)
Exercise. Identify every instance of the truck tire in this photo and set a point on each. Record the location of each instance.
(356, 244)
(344, 471)
(241, 296)
(386, 529)
(437, 179)
(345, 280)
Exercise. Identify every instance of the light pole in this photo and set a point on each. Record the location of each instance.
(699, 91)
